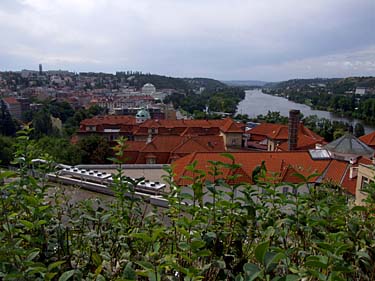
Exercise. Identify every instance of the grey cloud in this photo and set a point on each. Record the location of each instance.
(238, 39)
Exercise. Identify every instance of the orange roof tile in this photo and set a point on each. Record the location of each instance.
(349, 184)
(225, 125)
(303, 143)
(280, 132)
(275, 162)
(168, 148)
(110, 120)
(368, 139)
(336, 171)
(265, 129)
(10, 100)
(134, 145)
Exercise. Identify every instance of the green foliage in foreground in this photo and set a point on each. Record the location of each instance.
(45, 237)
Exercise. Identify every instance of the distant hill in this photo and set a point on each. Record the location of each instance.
(166, 82)
(337, 85)
(241, 83)
(207, 83)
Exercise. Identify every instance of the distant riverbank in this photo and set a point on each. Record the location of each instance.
(257, 103)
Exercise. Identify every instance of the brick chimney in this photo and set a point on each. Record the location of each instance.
(293, 129)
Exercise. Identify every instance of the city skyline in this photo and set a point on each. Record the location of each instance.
(268, 40)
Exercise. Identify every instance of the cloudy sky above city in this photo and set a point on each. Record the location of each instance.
(267, 40)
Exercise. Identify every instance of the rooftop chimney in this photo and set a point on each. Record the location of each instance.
(293, 129)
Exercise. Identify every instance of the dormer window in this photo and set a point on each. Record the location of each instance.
(153, 131)
(150, 159)
(90, 128)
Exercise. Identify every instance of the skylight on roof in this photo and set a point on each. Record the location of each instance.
(316, 154)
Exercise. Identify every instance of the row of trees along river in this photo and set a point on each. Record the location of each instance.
(257, 103)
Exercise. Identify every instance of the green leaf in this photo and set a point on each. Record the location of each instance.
(260, 251)
(359, 209)
(7, 174)
(49, 276)
(272, 259)
(100, 278)
(197, 244)
(32, 255)
(146, 265)
(55, 264)
(228, 155)
(129, 272)
(67, 275)
(289, 277)
(143, 236)
(317, 261)
(97, 259)
(27, 224)
(252, 271)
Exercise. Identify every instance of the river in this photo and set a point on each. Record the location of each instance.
(256, 103)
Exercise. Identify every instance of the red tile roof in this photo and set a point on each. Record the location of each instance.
(368, 139)
(110, 120)
(307, 139)
(275, 163)
(188, 126)
(11, 100)
(280, 132)
(303, 143)
(268, 130)
(349, 184)
(336, 171)
(168, 148)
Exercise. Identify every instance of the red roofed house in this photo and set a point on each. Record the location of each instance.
(231, 131)
(277, 137)
(281, 167)
(167, 149)
(369, 139)
(14, 107)
(110, 127)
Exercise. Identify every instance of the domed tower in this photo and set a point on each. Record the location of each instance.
(148, 89)
(142, 115)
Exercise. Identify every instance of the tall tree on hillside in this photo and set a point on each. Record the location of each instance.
(359, 130)
(42, 123)
(95, 150)
(7, 125)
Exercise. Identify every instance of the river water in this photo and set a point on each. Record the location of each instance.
(256, 103)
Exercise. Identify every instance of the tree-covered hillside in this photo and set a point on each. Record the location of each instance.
(164, 82)
(219, 100)
(353, 96)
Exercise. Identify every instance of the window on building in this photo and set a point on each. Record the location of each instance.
(285, 189)
(295, 190)
(151, 161)
(364, 182)
(91, 128)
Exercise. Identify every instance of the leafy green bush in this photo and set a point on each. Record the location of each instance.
(264, 235)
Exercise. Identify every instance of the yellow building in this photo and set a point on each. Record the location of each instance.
(366, 174)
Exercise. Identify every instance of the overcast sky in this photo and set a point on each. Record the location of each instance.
(225, 39)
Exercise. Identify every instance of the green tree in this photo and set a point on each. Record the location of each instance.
(95, 150)
(42, 123)
(359, 130)
(7, 150)
(60, 149)
(7, 125)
